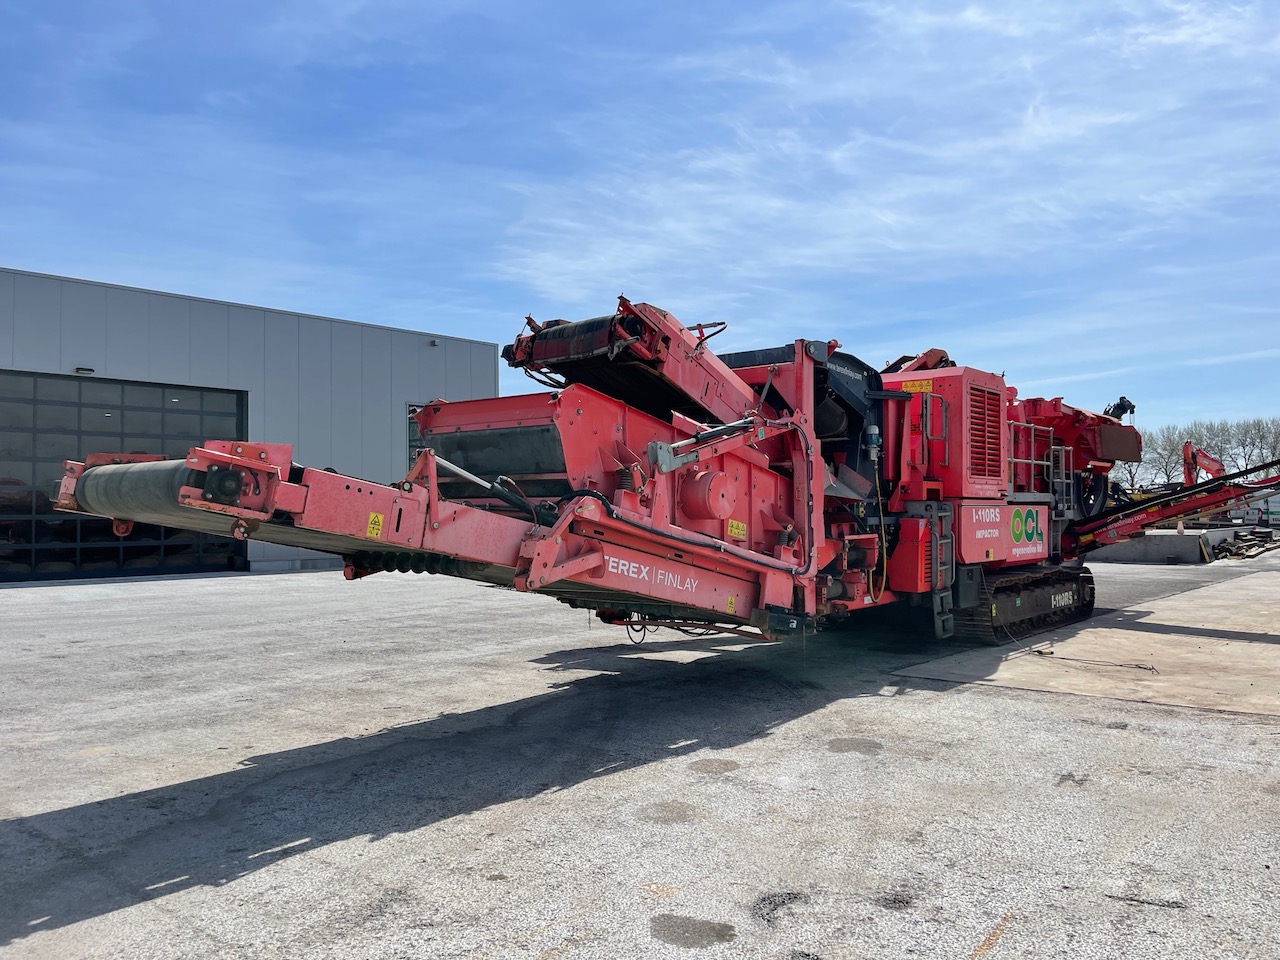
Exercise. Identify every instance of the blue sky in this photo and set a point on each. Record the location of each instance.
(1083, 195)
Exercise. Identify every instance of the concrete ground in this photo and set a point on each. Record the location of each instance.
(295, 766)
(1214, 648)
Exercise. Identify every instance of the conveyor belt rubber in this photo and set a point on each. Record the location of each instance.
(147, 492)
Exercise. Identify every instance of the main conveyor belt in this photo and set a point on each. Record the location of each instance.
(148, 493)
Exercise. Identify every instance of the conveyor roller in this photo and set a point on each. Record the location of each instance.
(147, 492)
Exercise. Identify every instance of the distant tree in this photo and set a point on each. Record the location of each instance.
(1252, 442)
(1239, 444)
(1128, 474)
(1162, 454)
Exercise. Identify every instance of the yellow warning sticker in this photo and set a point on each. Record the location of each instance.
(917, 386)
(737, 530)
(730, 604)
(375, 526)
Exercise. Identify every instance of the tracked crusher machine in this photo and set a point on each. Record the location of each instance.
(770, 491)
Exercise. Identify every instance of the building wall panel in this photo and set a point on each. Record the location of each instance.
(431, 368)
(457, 372)
(280, 390)
(483, 370)
(375, 402)
(84, 327)
(315, 385)
(210, 347)
(344, 399)
(37, 316)
(246, 331)
(169, 342)
(404, 391)
(6, 319)
(128, 329)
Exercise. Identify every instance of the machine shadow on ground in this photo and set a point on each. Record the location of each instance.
(1136, 620)
(636, 708)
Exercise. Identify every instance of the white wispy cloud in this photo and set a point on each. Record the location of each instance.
(1242, 28)
(913, 149)
(1080, 193)
(353, 33)
(1033, 149)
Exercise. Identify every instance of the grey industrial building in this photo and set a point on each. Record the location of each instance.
(89, 367)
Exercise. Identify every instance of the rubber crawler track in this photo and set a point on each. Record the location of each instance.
(977, 625)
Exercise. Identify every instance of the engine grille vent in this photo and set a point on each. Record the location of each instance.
(984, 432)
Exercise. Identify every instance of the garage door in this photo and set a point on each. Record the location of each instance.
(46, 419)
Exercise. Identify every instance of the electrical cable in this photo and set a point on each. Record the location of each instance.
(546, 379)
(1103, 663)
(882, 545)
